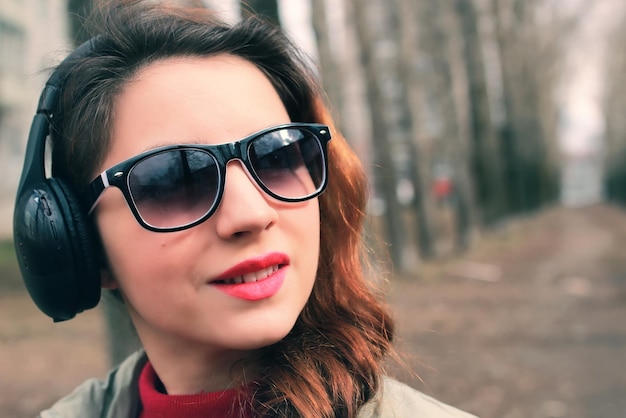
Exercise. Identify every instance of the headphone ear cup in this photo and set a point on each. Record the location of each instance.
(56, 250)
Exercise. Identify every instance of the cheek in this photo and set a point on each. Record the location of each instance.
(130, 249)
(123, 255)
(311, 224)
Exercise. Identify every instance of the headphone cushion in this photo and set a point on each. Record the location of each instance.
(56, 250)
(84, 241)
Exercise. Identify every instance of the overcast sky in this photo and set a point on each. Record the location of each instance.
(582, 93)
(294, 14)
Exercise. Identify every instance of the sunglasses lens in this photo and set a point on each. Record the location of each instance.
(175, 187)
(288, 162)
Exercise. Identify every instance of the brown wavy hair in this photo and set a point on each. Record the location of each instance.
(331, 362)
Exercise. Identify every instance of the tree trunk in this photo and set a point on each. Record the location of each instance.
(385, 177)
(442, 41)
(78, 12)
(615, 124)
(410, 97)
(528, 91)
(268, 9)
(329, 68)
(485, 154)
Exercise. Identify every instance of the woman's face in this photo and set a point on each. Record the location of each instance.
(168, 280)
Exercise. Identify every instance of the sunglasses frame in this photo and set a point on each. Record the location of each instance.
(118, 175)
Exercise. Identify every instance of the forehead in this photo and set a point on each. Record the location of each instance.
(212, 99)
(217, 87)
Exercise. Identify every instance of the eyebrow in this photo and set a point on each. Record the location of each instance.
(167, 144)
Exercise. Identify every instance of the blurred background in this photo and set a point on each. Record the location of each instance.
(494, 137)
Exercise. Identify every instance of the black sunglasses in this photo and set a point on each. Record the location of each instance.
(179, 186)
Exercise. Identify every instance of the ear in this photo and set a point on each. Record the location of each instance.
(107, 281)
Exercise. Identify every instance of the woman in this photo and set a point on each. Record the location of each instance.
(200, 152)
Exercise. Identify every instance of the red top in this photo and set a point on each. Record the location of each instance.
(156, 404)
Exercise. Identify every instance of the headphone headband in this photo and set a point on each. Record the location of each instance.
(53, 239)
(34, 162)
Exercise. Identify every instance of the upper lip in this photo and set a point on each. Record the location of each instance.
(252, 265)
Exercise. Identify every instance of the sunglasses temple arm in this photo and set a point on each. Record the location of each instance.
(94, 191)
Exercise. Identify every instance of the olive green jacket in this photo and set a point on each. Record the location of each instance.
(117, 397)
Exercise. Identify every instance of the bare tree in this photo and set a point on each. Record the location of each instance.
(485, 152)
(441, 71)
(372, 49)
(78, 13)
(614, 104)
(268, 9)
(529, 53)
(330, 73)
(404, 17)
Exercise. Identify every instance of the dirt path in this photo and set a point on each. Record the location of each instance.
(534, 326)
(531, 323)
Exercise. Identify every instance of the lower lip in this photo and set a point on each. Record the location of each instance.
(259, 290)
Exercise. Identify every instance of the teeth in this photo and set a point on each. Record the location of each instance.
(254, 276)
(249, 278)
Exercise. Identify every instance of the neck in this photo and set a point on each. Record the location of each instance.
(184, 374)
(191, 369)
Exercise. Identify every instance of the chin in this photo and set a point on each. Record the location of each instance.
(254, 341)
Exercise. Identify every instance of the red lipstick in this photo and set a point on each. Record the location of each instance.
(255, 278)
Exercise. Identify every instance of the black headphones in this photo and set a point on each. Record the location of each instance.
(55, 244)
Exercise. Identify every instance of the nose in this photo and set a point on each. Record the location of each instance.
(244, 209)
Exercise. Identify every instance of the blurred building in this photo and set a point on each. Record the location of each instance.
(33, 37)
